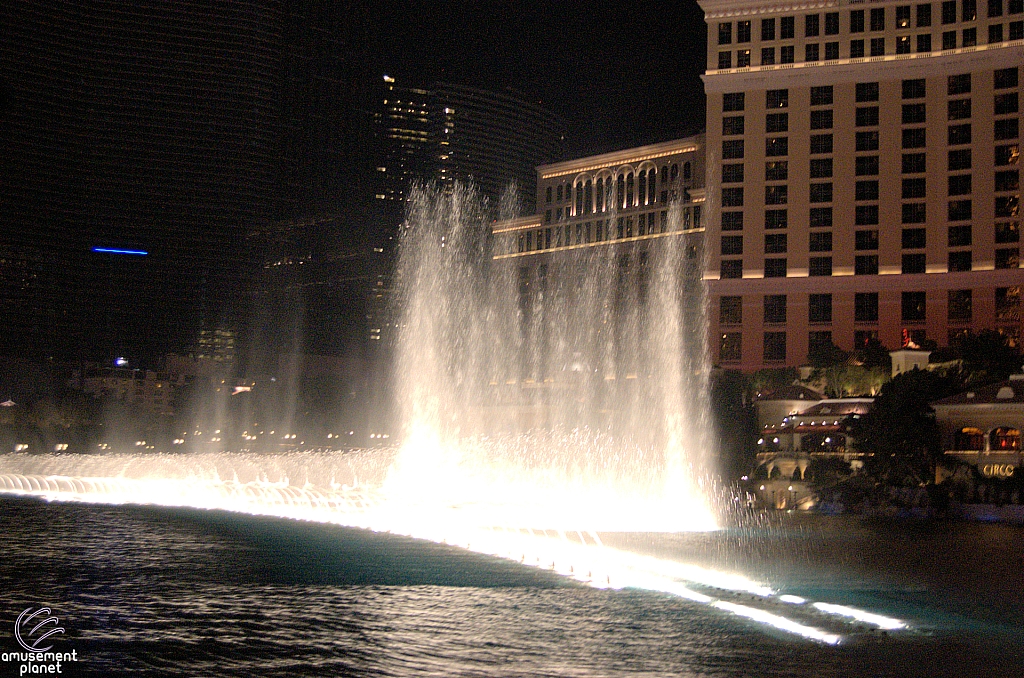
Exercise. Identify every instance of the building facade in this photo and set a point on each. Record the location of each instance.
(811, 111)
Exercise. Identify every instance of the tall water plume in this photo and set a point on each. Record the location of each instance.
(566, 391)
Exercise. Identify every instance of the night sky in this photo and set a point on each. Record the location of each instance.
(621, 74)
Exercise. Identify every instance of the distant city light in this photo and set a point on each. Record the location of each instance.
(120, 362)
(112, 250)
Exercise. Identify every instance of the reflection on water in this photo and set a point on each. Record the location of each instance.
(153, 591)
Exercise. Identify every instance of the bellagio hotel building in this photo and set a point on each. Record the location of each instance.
(863, 174)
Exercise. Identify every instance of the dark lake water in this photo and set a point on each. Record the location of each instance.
(177, 592)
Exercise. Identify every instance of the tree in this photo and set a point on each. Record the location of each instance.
(900, 430)
(874, 354)
(770, 379)
(987, 357)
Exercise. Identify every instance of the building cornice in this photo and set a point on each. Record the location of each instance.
(624, 157)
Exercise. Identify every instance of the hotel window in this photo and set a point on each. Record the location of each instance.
(819, 308)
(995, 8)
(1006, 129)
(959, 134)
(547, 197)
(913, 188)
(913, 138)
(970, 38)
(1007, 258)
(767, 29)
(865, 215)
(959, 184)
(903, 16)
(865, 240)
(959, 261)
(742, 58)
(742, 31)
(903, 44)
(831, 51)
(725, 33)
(767, 56)
(732, 221)
(819, 266)
(856, 49)
(732, 101)
(914, 213)
(959, 159)
(968, 10)
(857, 21)
(913, 163)
(1007, 232)
(731, 347)
(878, 19)
(914, 239)
(777, 170)
(866, 165)
(866, 190)
(959, 84)
(959, 305)
(812, 52)
(777, 122)
(732, 244)
(877, 46)
(812, 25)
(732, 197)
(821, 217)
(913, 114)
(959, 236)
(924, 16)
(730, 311)
(732, 125)
(821, 143)
(1006, 103)
(777, 98)
(1008, 303)
(866, 116)
(959, 210)
(732, 150)
(949, 40)
(775, 268)
(924, 42)
(865, 307)
(867, 91)
(775, 243)
(821, 119)
(732, 268)
(821, 96)
(995, 33)
(832, 23)
(958, 109)
(1008, 180)
(949, 12)
(821, 168)
(724, 60)
(774, 346)
(732, 173)
(913, 307)
(1007, 155)
(787, 54)
(1005, 78)
(821, 192)
(775, 146)
(865, 264)
(1016, 30)
(776, 219)
(820, 241)
(787, 25)
(914, 89)
(776, 195)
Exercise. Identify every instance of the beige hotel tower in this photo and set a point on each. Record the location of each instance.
(863, 174)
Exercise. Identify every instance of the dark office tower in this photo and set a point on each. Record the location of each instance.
(145, 126)
(409, 147)
(494, 139)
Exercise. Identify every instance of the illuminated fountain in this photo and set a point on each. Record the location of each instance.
(543, 406)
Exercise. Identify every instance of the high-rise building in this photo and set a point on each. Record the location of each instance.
(811, 112)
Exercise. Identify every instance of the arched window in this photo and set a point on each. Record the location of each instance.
(629, 190)
(686, 171)
(970, 438)
(620, 192)
(600, 194)
(675, 170)
(652, 192)
(579, 199)
(1004, 438)
(642, 185)
(588, 198)
(559, 192)
(664, 174)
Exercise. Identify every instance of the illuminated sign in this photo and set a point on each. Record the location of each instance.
(112, 250)
(998, 470)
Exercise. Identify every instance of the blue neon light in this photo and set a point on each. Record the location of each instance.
(111, 250)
